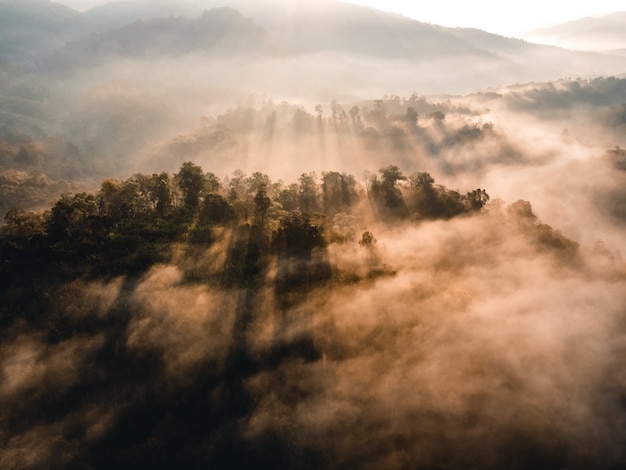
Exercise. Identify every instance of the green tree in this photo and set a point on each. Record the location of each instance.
(476, 199)
(430, 201)
(212, 184)
(288, 198)
(388, 201)
(262, 204)
(424, 200)
(161, 193)
(237, 186)
(22, 224)
(130, 199)
(69, 215)
(307, 193)
(216, 210)
(390, 175)
(191, 181)
(338, 191)
(257, 182)
(123, 199)
(367, 240)
(298, 235)
(297, 266)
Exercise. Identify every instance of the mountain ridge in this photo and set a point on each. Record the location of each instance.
(349, 46)
(220, 30)
(590, 33)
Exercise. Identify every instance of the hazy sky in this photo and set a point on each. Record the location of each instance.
(497, 16)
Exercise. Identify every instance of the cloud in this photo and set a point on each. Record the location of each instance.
(484, 349)
(493, 340)
(190, 326)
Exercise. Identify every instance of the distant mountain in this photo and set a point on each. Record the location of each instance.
(327, 45)
(492, 43)
(333, 26)
(604, 33)
(356, 32)
(220, 31)
(30, 28)
(116, 14)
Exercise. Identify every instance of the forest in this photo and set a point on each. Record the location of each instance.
(129, 226)
(293, 234)
(148, 323)
(207, 316)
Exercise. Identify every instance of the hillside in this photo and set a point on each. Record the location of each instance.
(303, 234)
(346, 40)
(351, 29)
(121, 13)
(221, 32)
(32, 28)
(603, 33)
(183, 320)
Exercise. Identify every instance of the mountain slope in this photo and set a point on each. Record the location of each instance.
(338, 27)
(322, 49)
(116, 14)
(29, 28)
(606, 32)
(479, 58)
(220, 31)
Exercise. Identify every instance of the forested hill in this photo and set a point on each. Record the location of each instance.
(219, 33)
(151, 324)
(129, 225)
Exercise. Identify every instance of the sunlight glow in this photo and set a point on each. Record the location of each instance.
(512, 19)
(506, 18)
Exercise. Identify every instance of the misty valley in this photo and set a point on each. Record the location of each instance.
(307, 234)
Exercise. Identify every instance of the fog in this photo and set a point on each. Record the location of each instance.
(490, 341)
(488, 338)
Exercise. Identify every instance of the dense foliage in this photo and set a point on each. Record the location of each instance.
(129, 225)
(264, 231)
(161, 303)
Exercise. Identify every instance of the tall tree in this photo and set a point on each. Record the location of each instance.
(339, 192)
(191, 181)
(307, 193)
(387, 198)
(161, 192)
(262, 204)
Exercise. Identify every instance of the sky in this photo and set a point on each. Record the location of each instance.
(496, 16)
